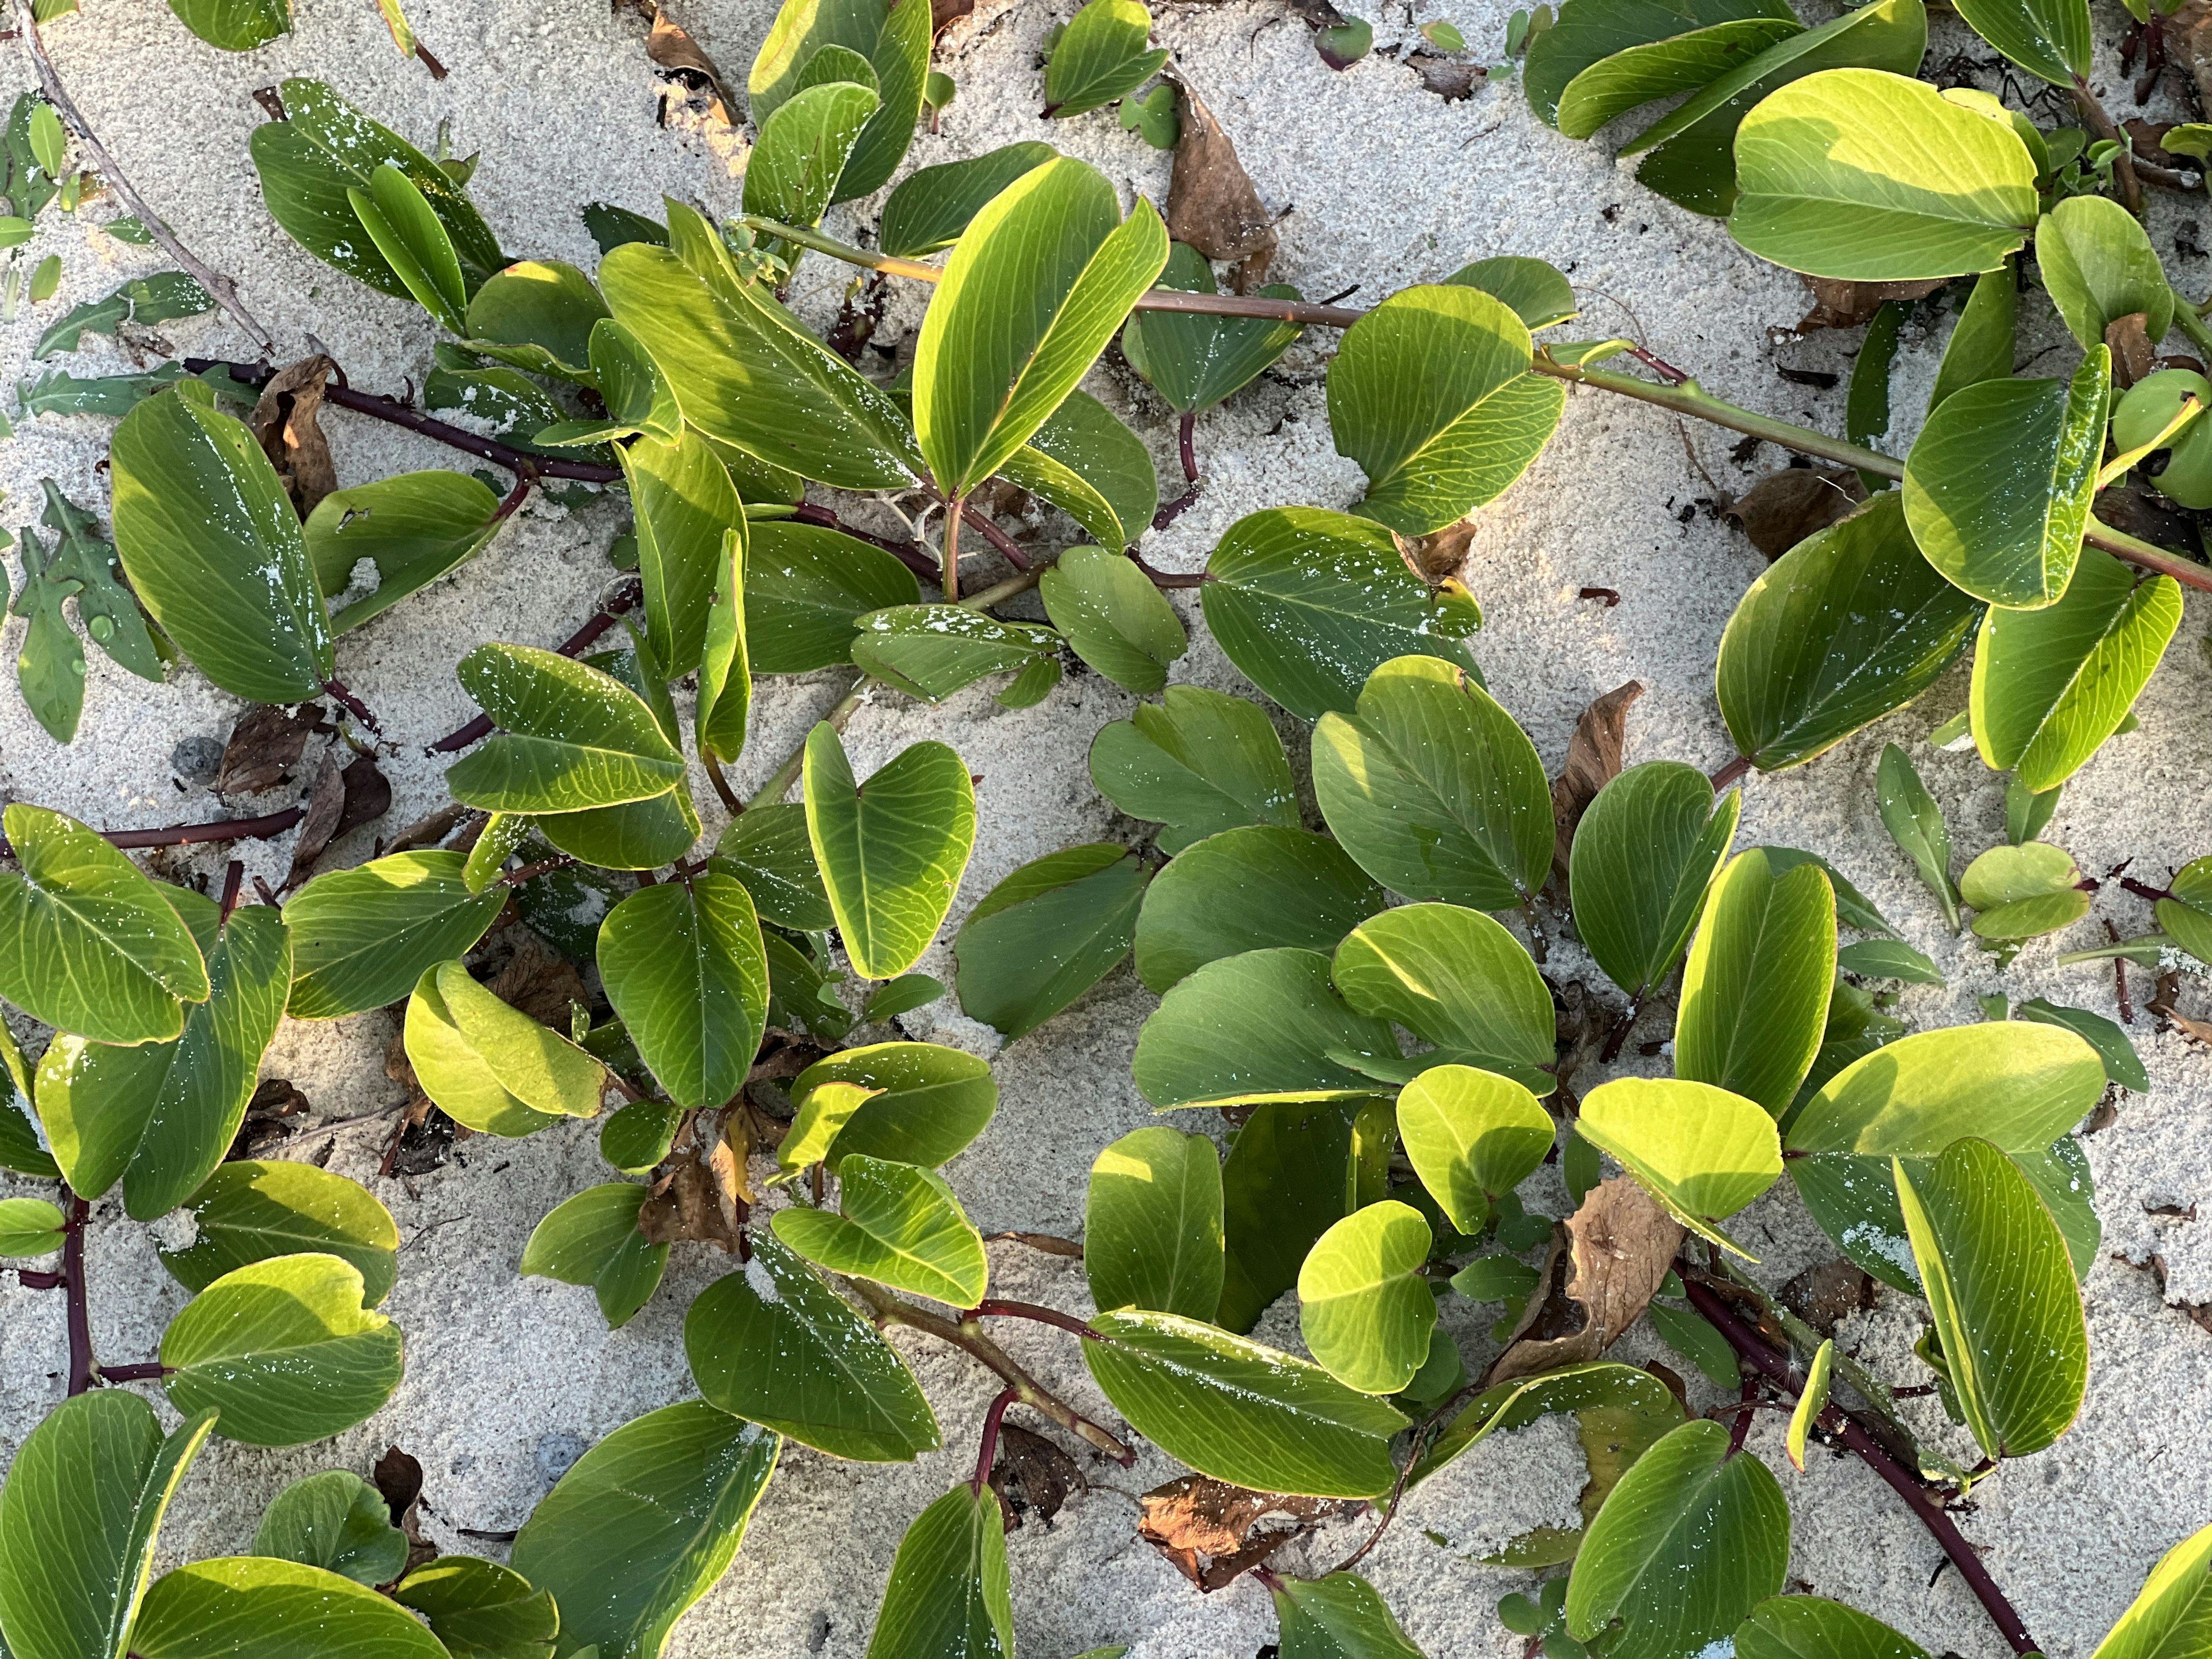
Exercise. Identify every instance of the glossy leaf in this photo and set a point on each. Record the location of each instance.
(1755, 987)
(892, 851)
(592, 1239)
(1702, 1151)
(929, 1102)
(2166, 1619)
(775, 1346)
(1535, 290)
(802, 149)
(1812, 1400)
(685, 505)
(570, 737)
(1339, 1617)
(249, 1607)
(250, 1210)
(2049, 39)
(479, 1610)
(1363, 1309)
(1196, 361)
(1198, 763)
(806, 589)
(931, 207)
(1586, 33)
(1047, 933)
(1249, 889)
(490, 1067)
(29, 1227)
(538, 315)
(2147, 409)
(895, 42)
(948, 1596)
(403, 226)
(1086, 462)
(932, 651)
(2024, 891)
(1293, 1170)
(1811, 1627)
(1688, 61)
(1265, 1025)
(2122, 1064)
(1981, 346)
(1114, 617)
(1456, 978)
(362, 938)
(896, 1225)
(1914, 819)
(1104, 52)
(1471, 1135)
(2095, 259)
(335, 1521)
(687, 976)
(2019, 1086)
(1152, 1223)
(234, 25)
(1642, 856)
(1887, 958)
(411, 530)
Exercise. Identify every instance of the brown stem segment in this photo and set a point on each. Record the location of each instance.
(998, 538)
(80, 1310)
(988, 1453)
(193, 835)
(1184, 429)
(2094, 115)
(152, 1372)
(1753, 1348)
(1732, 773)
(991, 1308)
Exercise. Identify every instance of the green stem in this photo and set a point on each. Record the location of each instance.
(2190, 321)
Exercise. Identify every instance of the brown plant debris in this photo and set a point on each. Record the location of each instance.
(1784, 508)
(2189, 43)
(1593, 755)
(344, 798)
(944, 14)
(1619, 1245)
(1825, 1295)
(397, 1479)
(680, 57)
(2128, 336)
(1840, 304)
(1212, 1531)
(265, 743)
(540, 982)
(1032, 1476)
(1438, 556)
(1449, 79)
(2141, 511)
(1211, 204)
(286, 422)
(267, 1119)
(698, 1196)
(2169, 987)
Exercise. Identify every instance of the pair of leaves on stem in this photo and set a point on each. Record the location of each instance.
(51, 665)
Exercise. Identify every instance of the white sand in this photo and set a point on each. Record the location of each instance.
(1382, 184)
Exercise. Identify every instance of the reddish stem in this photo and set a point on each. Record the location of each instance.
(516, 496)
(1184, 429)
(991, 1308)
(913, 555)
(574, 646)
(998, 538)
(34, 1278)
(353, 706)
(1167, 577)
(1732, 773)
(263, 828)
(234, 878)
(150, 1372)
(80, 1311)
(989, 1454)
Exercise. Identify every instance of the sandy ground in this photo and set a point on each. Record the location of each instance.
(1381, 184)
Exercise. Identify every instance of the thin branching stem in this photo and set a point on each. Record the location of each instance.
(267, 826)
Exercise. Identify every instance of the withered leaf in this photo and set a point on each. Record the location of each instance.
(2140, 511)
(264, 743)
(397, 1479)
(1437, 556)
(1593, 761)
(538, 981)
(1032, 1475)
(1826, 1294)
(2128, 336)
(1620, 1245)
(673, 50)
(698, 1197)
(343, 798)
(783, 1054)
(286, 422)
(2197, 1313)
(942, 14)
(1212, 1531)
(1449, 79)
(1673, 1379)
(2147, 136)
(1211, 204)
(1840, 304)
(274, 1101)
(430, 831)
(1784, 508)
(2169, 987)
(2189, 43)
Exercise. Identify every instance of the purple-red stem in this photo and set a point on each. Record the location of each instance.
(1732, 773)
(998, 538)
(1748, 1344)
(234, 878)
(353, 706)
(913, 555)
(1184, 429)
(152, 1372)
(989, 1453)
(990, 1308)
(574, 646)
(263, 828)
(80, 1310)
(1745, 1414)
(35, 1279)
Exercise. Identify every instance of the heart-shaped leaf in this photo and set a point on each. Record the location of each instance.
(2094, 255)
(1086, 463)
(1688, 61)
(592, 1239)
(2049, 39)
(1755, 987)
(1813, 1627)
(1535, 290)
(1200, 762)
(930, 208)
(1309, 604)
(2000, 1284)
(685, 505)
(249, 1607)
(1702, 1151)
(84, 1500)
(1872, 177)
(284, 1349)
(1586, 33)
(1849, 625)
(1114, 617)
(480, 1610)
(1037, 285)
(335, 1521)
(1470, 1136)
(1194, 361)
(806, 589)
(1456, 978)
(570, 737)
(1265, 1025)
(1241, 1412)
(490, 1067)
(538, 315)
(362, 938)
(1152, 1223)
(1363, 1309)
(687, 976)
(932, 650)
(644, 1524)
(250, 1212)
(1249, 889)
(1342, 1614)
(91, 945)
(891, 851)
(804, 145)
(1104, 53)
(2022, 893)
(215, 550)
(1433, 789)
(413, 529)
(160, 1116)
(1689, 1542)
(948, 1591)
(2051, 685)
(2019, 1086)
(926, 1101)
(896, 44)
(896, 1225)
(2168, 1612)
(1430, 392)
(1642, 857)
(1048, 933)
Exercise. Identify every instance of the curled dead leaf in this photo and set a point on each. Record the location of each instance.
(397, 1479)
(1594, 754)
(1840, 304)
(1213, 1532)
(2189, 43)
(1211, 204)
(699, 1195)
(674, 52)
(1823, 1294)
(2169, 987)
(1449, 79)
(269, 1113)
(2141, 511)
(1437, 556)
(1619, 1246)
(2128, 336)
(286, 424)
(1784, 508)
(263, 745)
(540, 982)
(344, 798)
(1032, 1476)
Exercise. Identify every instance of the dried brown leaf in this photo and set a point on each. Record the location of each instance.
(430, 831)
(942, 14)
(397, 1479)
(1823, 1296)
(274, 1102)
(698, 1197)
(1840, 304)
(1211, 204)
(672, 49)
(2141, 511)
(1620, 1245)
(1449, 79)
(263, 745)
(2169, 985)
(1673, 1379)
(2148, 138)
(1593, 755)
(540, 982)
(1784, 508)
(343, 798)
(2189, 43)
(1032, 1476)
(1438, 556)
(2128, 336)
(1212, 1531)
(286, 424)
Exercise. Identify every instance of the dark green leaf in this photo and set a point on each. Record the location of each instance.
(1294, 1169)
(1202, 762)
(538, 314)
(1266, 1025)
(162, 297)
(2123, 1064)
(592, 1239)
(1339, 1617)
(932, 650)
(687, 975)
(1754, 997)
(335, 1521)
(361, 938)
(1455, 979)
(891, 853)
(767, 849)
(249, 1607)
(1195, 361)
(1046, 934)
(412, 529)
(1086, 463)
(1643, 854)
(1249, 889)
(932, 206)
(949, 1594)
(806, 589)
(480, 1610)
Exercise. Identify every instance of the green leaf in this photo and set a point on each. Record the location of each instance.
(1363, 1309)
(161, 297)
(1812, 1400)
(2051, 685)
(1339, 1617)
(2049, 39)
(91, 945)
(538, 315)
(686, 973)
(1434, 790)
(896, 1224)
(492, 1067)
(249, 1607)
(932, 651)
(1999, 1283)
(284, 1349)
(644, 1524)
(929, 1101)
(407, 232)
(250, 1212)
(775, 1346)
(569, 737)
(1754, 996)
(1915, 821)
(1998, 484)
(2122, 1064)
(1048, 933)
(215, 550)
(685, 505)
(1702, 1151)
(1456, 978)
(806, 589)
(1201, 762)
(49, 140)
(1249, 889)
(931, 207)
(479, 1610)
(1152, 1223)
(1430, 392)
(1872, 177)
(1849, 625)
(592, 1239)
(815, 1126)
(1037, 285)
(1810, 1627)
(1691, 1335)
(1471, 1135)
(1642, 857)
(412, 529)
(802, 149)
(2060, 1175)
(1888, 958)
(502, 403)
(2186, 914)
(23, 1141)
(1690, 1540)
(1104, 53)
(637, 397)
(2017, 1085)
(1981, 346)
(2022, 893)
(335, 1521)
(2027, 814)
(895, 41)
(362, 938)
(1086, 463)
(29, 1227)
(1195, 361)
(767, 849)
(78, 1517)
(2145, 409)
(1240, 1412)
(1688, 61)
(105, 605)
(746, 374)
(1265, 1025)
(891, 851)
(1294, 1169)
(1535, 290)
(902, 995)
(1586, 33)
(2095, 258)
(2166, 1619)
(949, 1593)
(1309, 603)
